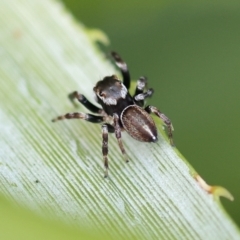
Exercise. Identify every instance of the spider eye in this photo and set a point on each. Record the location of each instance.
(101, 94)
(118, 82)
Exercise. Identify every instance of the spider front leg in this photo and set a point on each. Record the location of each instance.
(166, 120)
(118, 135)
(83, 100)
(141, 84)
(124, 69)
(139, 95)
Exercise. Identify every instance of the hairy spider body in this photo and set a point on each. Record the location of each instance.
(138, 124)
(120, 111)
(112, 95)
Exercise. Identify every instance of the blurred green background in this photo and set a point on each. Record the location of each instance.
(190, 53)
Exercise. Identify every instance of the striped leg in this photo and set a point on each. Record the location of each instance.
(82, 99)
(124, 69)
(166, 120)
(139, 94)
(141, 84)
(118, 135)
(88, 117)
(105, 148)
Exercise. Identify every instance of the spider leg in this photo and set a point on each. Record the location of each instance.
(110, 128)
(139, 94)
(166, 120)
(82, 99)
(105, 147)
(124, 69)
(78, 115)
(118, 135)
(141, 84)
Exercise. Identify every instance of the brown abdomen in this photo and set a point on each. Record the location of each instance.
(138, 124)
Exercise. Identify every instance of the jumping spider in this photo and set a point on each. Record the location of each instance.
(120, 111)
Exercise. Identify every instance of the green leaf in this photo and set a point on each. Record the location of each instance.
(56, 169)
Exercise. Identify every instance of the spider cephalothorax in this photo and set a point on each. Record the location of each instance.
(120, 111)
(110, 90)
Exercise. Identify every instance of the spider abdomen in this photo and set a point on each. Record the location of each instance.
(138, 124)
